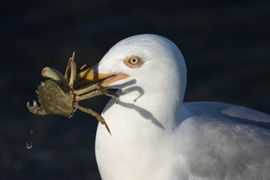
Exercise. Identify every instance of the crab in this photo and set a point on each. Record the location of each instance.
(57, 95)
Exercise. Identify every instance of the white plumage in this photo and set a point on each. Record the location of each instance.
(155, 136)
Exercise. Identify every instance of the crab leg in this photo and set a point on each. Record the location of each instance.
(97, 93)
(87, 89)
(96, 115)
(73, 71)
(82, 67)
(67, 68)
(53, 74)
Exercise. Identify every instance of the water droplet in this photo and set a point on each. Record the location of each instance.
(31, 131)
(29, 145)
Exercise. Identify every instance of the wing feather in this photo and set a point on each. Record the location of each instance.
(223, 141)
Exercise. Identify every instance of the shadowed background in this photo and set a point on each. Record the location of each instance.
(226, 45)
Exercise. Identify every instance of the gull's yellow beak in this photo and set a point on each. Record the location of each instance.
(91, 75)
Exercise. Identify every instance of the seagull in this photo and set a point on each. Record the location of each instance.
(157, 136)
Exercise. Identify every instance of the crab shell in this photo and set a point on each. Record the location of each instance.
(56, 98)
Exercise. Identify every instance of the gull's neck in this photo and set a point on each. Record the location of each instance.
(158, 106)
(138, 128)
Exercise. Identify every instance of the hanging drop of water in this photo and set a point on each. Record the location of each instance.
(31, 131)
(29, 145)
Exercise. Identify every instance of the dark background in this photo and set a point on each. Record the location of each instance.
(226, 45)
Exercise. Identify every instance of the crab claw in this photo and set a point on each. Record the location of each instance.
(36, 109)
(53, 74)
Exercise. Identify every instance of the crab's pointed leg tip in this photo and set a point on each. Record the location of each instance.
(82, 67)
(35, 103)
(107, 128)
(109, 132)
(72, 56)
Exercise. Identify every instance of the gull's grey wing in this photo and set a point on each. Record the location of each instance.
(222, 141)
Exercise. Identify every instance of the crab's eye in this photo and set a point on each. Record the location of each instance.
(133, 61)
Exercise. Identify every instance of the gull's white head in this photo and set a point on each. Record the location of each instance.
(150, 62)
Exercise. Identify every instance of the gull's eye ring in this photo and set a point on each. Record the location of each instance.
(133, 61)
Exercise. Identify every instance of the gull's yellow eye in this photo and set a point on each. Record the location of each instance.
(133, 61)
